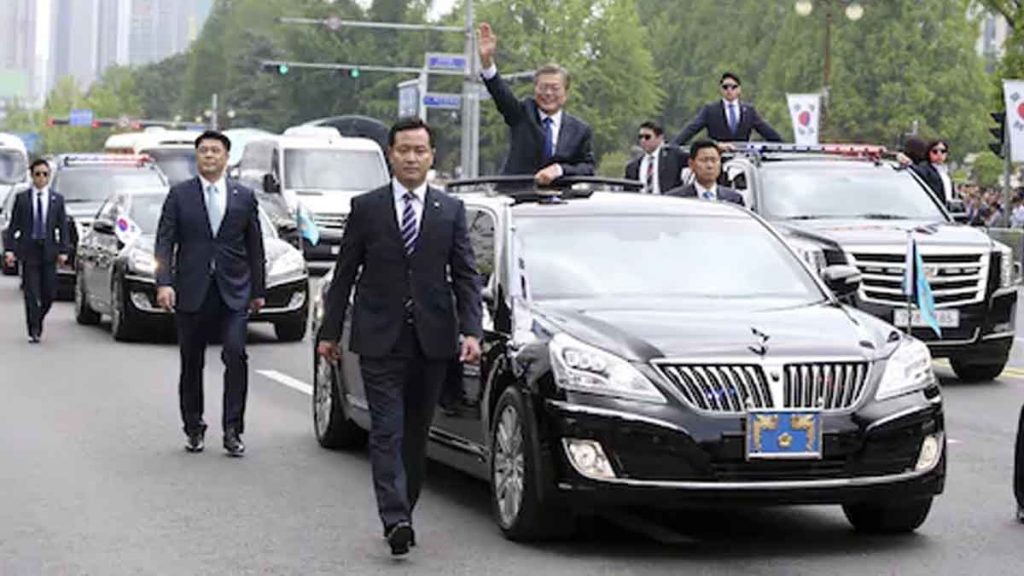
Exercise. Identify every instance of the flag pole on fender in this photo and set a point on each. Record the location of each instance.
(909, 280)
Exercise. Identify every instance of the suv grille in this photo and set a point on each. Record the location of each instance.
(333, 221)
(956, 279)
(733, 388)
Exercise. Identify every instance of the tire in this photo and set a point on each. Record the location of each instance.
(969, 371)
(515, 493)
(10, 270)
(84, 315)
(290, 330)
(333, 428)
(894, 517)
(123, 327)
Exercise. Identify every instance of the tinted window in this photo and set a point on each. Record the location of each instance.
(95, 184)
(843, 190)
(12, 167)
(481, 235)
(145, 211)
(352, 170)
(177, 165)
(658, 257)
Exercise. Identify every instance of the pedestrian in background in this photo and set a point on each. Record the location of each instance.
(729, 119)
(38, 233)
(417, 289)
(210, 273)
(544, 140)
(661, 165)
(706, 165)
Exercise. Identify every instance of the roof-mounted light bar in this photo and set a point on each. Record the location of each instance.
(525, 189)
(105, 159)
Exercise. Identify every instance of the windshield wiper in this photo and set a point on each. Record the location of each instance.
(881, 217)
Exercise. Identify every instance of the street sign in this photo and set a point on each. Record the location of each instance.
(408, 98)
(443, 61)
(82, 117)
(442, 101)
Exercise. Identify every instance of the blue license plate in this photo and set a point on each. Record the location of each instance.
(780, 434)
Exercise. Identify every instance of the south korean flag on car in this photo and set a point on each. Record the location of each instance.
(126, 230)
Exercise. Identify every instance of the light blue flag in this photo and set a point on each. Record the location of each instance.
(925, 300)
(307, 227)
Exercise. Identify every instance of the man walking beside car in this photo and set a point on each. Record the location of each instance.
(210, 273)
(417, 290)
(38, 233)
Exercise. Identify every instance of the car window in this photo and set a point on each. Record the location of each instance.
(145, 211)
(624, 256)
(843, 190)
(329, 169)
(95, 184)
(13, 167)
(177, 164)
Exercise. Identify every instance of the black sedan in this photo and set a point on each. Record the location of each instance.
(643, 350)
(116, 272)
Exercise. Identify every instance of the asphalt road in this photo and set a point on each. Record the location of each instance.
(94, 480)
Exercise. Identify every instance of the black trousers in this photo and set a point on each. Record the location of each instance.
(39, 288)
(1018, 462)
(402, 391)
(195, 330)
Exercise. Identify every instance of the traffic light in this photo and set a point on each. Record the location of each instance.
(999, 133)
(354, 73)
(281, 68)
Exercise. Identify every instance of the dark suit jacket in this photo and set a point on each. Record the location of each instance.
(671, 161)
(19, 231)
(931, 177)
(439, 277)
(725, 193)
(189, 256)
(712, 117)
(526, 136)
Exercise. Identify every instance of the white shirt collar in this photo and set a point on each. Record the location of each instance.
(556, 118)
(420, 192)
(655, 152)
(701, 190)
(726, 104)
(220, 184)
(45, 191)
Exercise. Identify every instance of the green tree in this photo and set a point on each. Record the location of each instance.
(987, 170)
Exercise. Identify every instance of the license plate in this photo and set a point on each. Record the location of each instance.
(335, 250)
(784, 434)
(945, 318)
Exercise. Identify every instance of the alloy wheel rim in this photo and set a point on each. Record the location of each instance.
(509, 466)
(322, 399)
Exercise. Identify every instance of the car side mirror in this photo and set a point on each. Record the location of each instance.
(270, 184)
(842, 279)
(103, 226)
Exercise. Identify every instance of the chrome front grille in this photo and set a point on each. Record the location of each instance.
(828, 386)
(735, 388)
(333, 221)
(956, 278)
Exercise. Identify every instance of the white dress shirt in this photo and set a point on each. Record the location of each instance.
(648, 158)
(947, 183)
(417, 205)
(701, 190)
(46, 204)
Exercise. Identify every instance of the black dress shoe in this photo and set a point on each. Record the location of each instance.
(233, 444)
(194, 443)
(1020, 514)
(400, 538)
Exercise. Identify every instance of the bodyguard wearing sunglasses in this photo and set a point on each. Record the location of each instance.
(661, 165)
(38, 232)
(934, 171)
(728, 120)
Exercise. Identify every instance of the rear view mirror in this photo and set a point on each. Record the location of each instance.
(270, 184)
(843, 280)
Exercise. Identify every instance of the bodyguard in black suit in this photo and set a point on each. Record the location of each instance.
(706, 165)
(210, 272)
(38, 232)
(544, 140)
(660, 167)
(403, 242)
(728, 120)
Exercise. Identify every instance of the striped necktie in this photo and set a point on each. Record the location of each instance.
(649, 180)
(410, 228)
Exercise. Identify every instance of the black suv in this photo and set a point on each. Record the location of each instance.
(851, 205)
(656, 351)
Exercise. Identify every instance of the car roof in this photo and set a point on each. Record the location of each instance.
(10, 141)
(630, 204)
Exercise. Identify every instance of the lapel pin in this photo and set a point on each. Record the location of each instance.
(437, 204)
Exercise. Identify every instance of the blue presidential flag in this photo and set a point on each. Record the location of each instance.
(307, 227)
(916, 287)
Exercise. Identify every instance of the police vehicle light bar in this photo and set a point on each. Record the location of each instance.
(855, 150)
(106, 159)
(525, 189)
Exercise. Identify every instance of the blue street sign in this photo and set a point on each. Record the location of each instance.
(443, 101)
(82, 117)
(440, 61)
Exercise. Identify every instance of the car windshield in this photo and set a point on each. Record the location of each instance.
(619, 256)
(327, 169)
(95, 184)
(177, 164)
(799, 190)
(12, 167)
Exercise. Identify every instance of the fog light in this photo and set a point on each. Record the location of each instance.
(297, 299)
(588, 458)
(141, 301)
(1001, 328)
(931, 451)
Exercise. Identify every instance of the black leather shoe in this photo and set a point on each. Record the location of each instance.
(233, 444)
(194, 443)
(400, 538)
(1020, 514)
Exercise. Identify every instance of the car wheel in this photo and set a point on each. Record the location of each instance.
(83, 313)
(515, 493)
(888, 517)
(10, 270)
(290, 330)
(973, 371)
(122, 325)
(334, 429)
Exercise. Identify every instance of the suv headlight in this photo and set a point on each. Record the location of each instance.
(583, 368)
(812, 254)
(1005, 266)
(291, 262)
(909, 369)
(141, 262)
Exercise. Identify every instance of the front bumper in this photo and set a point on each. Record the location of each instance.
(659, 459)
(285, 301)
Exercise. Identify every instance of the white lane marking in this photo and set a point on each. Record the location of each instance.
(288, 381)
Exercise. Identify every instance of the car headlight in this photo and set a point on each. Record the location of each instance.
(583, 368)
(290, 262)
(909, 369)
(812, 254)
(141, 262)
(1005, 266)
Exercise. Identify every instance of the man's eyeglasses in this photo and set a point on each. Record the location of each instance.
(730, 86)
(40, 173)
(644, 136)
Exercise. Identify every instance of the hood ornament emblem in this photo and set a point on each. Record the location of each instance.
(761, 348)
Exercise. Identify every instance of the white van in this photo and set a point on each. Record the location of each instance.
(172, 150)
(13, 161)
(321, 171)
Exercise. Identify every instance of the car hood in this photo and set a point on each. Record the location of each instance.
(860, 232)
(326, 201)
(273, 248)
(822, 330)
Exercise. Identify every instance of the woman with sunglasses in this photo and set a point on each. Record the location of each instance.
(935, 172)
